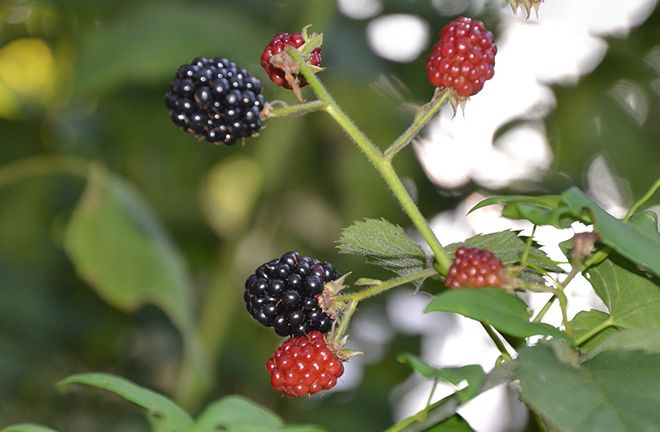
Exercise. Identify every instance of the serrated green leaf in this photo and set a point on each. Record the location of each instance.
(508, 247)
(238, 414)
(586, 321)
(163, 414)
(632, 299)
(635, 241)
(504, 311)
(473, 374)
(27, 427)
(616, 391)
(383, 244)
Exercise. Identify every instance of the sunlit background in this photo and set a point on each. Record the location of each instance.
(575, 101)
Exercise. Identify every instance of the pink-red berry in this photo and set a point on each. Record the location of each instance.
(280, 43)
(303, 366)
(464, 58)
(475, 268)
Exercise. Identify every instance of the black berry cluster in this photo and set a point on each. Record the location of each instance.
(283, 294)
(214, 99)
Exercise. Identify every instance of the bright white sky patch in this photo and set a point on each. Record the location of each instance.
(398, 37)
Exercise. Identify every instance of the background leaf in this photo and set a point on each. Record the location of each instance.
(504, 311)
(584, 322)
(647, 340)
(163, 414)
(616, 391)
(473, 374)
(27, 427)
(383, 244)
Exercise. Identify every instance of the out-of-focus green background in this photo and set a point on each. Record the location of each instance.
(86, 78)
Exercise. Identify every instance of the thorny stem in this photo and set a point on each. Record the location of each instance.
(425, 114)
(496, 339)
(345, 320)
(281, 109)
(379, 161)
(387, 285)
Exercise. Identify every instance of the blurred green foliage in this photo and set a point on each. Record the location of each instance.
(102, 67)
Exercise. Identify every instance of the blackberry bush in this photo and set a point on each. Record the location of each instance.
(213, 99)
(284, 294)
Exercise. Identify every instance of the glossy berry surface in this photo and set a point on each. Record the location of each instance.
(279, 44)
(464, 58)
(283, 294)
(475, 268)
(214, 99)
(303, 366)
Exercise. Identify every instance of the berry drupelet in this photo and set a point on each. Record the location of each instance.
(214, 99)
(278, 45)
(464, 58)
(475, 268)
(283, 294)
(303, 366)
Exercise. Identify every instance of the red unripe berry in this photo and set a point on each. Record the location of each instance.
(464, 58)
(303, 366)
(475, 268)
(280, 43)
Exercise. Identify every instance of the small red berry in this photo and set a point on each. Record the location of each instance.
(304, 365)
(464, 58)
(279, 44)
(475, 268)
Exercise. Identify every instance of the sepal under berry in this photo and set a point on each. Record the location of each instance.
(528, 5)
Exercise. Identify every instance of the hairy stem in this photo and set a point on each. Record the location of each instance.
(425, 114)
(647, 196)
(545, 308)
(345, 321)
(528, 247)
(387, 285)
(379, 161)
(281, 109)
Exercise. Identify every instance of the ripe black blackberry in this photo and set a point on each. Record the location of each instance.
(214, 99)
(283, 294)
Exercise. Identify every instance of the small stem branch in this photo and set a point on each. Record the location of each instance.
(423, 116)
(593, 332)
(647, 196)
(496, 339)
(281, 109)
(545, 308)
(528, 247)
(387, 285)
(378, 160)
(345, 321)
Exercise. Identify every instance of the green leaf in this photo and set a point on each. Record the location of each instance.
(616, 391)
(633, 299)
(504, 311)
(634, 241)
(121, 250)
(540, 210)
(473, 374)
(548, 202)
(163, 414)
(647, 340)
(455, 423)
(383, 244)
(27, 427)
(238, 414)
(586, 321)
(508, 247)
(162, 36)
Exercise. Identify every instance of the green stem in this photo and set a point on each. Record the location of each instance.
(647, 196)
(281, 109)
(528, 247)
(345, 321)
(425, 114)
(387, 285)
(43, 165)
(545, 308)
(593, 332)
(496, 339)
(379, 161)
